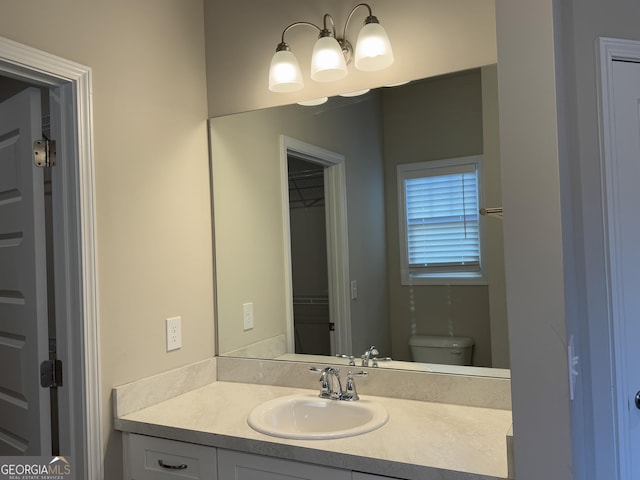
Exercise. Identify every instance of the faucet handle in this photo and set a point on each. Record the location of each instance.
(350, 394)
(325, 382)
(376, 360)
(351, 358)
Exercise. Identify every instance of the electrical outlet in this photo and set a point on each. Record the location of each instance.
(174, 333)
(247, 316)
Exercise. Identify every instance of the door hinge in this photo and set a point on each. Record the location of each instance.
(51, 373)
(44, 152)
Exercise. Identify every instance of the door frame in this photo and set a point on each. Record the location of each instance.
(617, 386)
(337, 239)
(75, 240)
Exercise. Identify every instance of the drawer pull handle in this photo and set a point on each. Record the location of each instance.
(182, 466)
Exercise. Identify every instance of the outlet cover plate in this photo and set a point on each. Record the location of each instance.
(174, 333)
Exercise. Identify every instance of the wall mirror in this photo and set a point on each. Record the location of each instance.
(305, 205)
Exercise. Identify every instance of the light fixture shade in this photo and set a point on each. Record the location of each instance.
(373, 49)
(284, 74)
(327, 60)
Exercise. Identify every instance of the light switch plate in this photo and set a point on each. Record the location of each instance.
(247, 316)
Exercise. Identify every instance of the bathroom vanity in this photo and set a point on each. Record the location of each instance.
(150, 457)
(148, 454)
(197, 428)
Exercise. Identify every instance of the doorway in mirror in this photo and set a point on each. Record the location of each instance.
(312, 325)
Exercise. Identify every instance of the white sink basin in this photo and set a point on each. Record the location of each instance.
(310, 417)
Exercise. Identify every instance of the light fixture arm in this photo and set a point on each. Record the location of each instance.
(283, 45)
(347, 49)
(327, 32)
(332, 31)
(370, 18)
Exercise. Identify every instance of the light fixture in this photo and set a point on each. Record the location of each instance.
(331, 53)
(284, 73)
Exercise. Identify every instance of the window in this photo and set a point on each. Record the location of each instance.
(440, 234)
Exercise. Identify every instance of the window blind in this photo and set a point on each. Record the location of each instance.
(443, 231)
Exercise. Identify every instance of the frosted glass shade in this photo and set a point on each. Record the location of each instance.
(284, 74)
(373, 49)
(327, 61)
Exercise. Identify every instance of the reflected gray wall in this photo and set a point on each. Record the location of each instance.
(431, 120)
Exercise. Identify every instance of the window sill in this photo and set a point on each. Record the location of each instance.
(443, 279)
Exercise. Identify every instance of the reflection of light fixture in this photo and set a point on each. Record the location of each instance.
(355, 93)
(398, 84)
(331, 54)
(313, 102)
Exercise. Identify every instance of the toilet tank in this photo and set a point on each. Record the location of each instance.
(441, 349)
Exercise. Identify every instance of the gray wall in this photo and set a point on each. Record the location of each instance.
(582, 22)
(533, 238)
(494, 246)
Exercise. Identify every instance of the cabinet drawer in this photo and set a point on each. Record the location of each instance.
(151, 458)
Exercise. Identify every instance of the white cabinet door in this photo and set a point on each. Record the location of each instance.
(246, 466)
(151, 458)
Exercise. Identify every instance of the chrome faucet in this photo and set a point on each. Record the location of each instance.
(375, 361)
(331, 386)
(371, 352)
(371, 356)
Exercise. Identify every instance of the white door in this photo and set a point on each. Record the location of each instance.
(24, 407)
(624, 209)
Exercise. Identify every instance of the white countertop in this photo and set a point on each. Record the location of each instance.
(421, 440)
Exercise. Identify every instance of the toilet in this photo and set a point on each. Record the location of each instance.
(440, 349)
